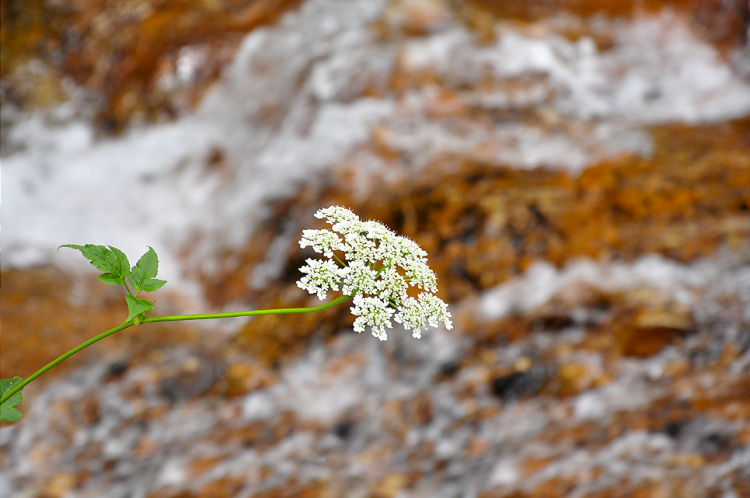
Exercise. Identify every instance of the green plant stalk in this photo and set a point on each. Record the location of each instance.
(155, 319)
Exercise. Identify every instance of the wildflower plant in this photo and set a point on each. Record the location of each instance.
(366, 260)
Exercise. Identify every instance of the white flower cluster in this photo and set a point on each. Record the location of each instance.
(378, 269)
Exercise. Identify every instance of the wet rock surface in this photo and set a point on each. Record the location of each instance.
(137, 60)
(584, 203)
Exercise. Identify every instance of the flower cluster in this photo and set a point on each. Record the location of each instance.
(378, 269)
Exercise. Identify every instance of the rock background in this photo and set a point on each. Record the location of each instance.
(579, 174)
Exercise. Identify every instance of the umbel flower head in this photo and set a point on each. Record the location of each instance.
(377, 270)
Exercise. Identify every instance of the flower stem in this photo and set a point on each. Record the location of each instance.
(281, 311)
(154, 319)
(65, 356)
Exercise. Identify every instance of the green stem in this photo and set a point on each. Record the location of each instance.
(62, 358)
(232, 314)
(382, 267)
(154, 319)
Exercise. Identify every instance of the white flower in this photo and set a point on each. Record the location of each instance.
(358, 279)
(378, 268)
(435, 310)
(418, 274)
(392, 283)
(374, 312)
(321, 275)
(360, 248)
(410, 249)
(322, 241)
(336, 214)
(411, 316)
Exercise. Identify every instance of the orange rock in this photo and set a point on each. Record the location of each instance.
(476, 448)
(145, 448)
(241, 378)
(59, 485)
(221, 488)
(119, 57)
(647, 340)
(723, 23)
(576, 377)
(390, 485)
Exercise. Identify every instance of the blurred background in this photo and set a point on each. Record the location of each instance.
(578, 171)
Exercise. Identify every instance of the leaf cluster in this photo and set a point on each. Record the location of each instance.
(117, 271)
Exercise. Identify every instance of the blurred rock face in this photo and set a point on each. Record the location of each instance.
(579, 174)
(141, 60)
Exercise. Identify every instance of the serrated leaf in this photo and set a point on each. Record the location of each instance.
(109, 279)
(137, 306)
(7, 412)
(153, 284)
(110, 260)
(144, 271)
(147, 266)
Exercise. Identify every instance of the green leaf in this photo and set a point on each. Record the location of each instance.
(109, 279)
(146, 268)
(7, 412)
(143, 273)
(153, 284)
(111, 261)
(137, 306)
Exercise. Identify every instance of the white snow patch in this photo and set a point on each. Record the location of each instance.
(258, 405)
(173, 472)
(542, 281)
(315, 397)
(504, 473)
(589, 406)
